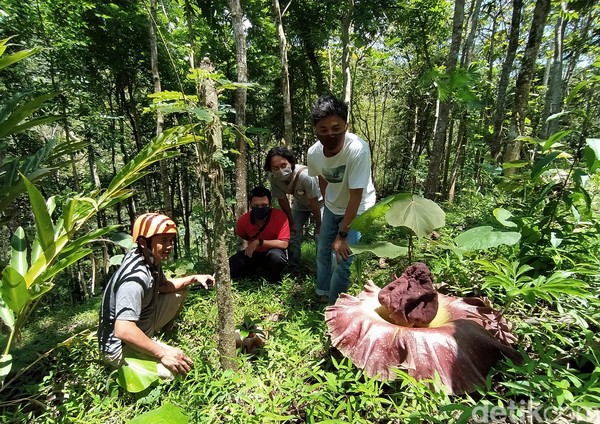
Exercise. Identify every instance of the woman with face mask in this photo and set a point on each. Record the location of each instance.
(289, 178)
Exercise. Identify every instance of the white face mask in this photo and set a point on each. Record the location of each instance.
(283, 173)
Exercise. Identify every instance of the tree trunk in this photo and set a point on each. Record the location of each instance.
(346, 33)
(288, 133)
(226, 326)
(164, 166)
(467, 52)
(432, 183)
(554, 94)
(499, 115)
(526, 73)
(240, 108)
(310, 50)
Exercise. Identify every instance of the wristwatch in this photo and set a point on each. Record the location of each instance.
(260, 242)
(342, 234)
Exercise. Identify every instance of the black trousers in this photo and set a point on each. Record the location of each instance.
(264, 264)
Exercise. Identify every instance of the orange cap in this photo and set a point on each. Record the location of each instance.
(151, 224)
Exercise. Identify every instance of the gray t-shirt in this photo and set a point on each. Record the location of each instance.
(306, 188)
(131, 295)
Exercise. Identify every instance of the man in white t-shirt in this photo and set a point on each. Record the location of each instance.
(342, 161)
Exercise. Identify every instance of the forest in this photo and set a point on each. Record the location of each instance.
(483, 123)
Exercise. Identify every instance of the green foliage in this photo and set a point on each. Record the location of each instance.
(56, 245)
(418, 215)
(137, 374)
(166, 414)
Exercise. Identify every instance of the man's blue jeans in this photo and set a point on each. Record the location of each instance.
(333, 277)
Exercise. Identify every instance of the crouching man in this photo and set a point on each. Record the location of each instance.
(139, 300)
(267, 233)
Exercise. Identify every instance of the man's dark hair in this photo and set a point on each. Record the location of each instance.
(259, 191)
(328, 105)
(280, 151)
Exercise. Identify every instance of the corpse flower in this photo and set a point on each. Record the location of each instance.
(408, 325)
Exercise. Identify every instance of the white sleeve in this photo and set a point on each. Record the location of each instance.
(359, 169)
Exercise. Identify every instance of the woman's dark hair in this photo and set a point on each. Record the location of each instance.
(328, 105)
(282, 151)
(259, 191)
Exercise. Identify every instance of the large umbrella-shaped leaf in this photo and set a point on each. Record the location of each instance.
(420, 215)
(364, 221)
(137, 374)
(486, 237)
(381, 249)
(503, 216)
(166, 414)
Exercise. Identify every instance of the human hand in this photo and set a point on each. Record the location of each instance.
(176, 361)
(341, 248)
(204, 280)
(251, 248)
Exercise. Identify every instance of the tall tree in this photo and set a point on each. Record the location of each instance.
(214, 155)
(240, 107)
(511, 52)
(164, 166)
(554, 91)
(432, 182)
(346, 34)
(512, 151)
(288, 132)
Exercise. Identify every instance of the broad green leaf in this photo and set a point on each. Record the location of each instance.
(503, 216)
(540, 165)
(7, 315)
(34, 123)
(15, 57)
(166, 414)
(515, 164)
(43, 221)
(46, 258)
(486, 237)
(418, 214)
(592, 154)
(555, 240)
(364, 221)
(13, 121)
(18, 254)
(91, 237)
(137, 374)
(13, 289)
(381, 249)
(554, 139)
(5, 366)
(64, 263)
(115, 260)
(123, 239)
(558, 115)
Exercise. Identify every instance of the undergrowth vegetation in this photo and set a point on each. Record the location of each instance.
(299, 377)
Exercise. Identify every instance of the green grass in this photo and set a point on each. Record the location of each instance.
(297, 377)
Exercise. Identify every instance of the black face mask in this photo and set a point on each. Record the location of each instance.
(260, 214)
(331, 141)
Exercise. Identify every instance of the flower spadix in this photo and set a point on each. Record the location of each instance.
(408, 325)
